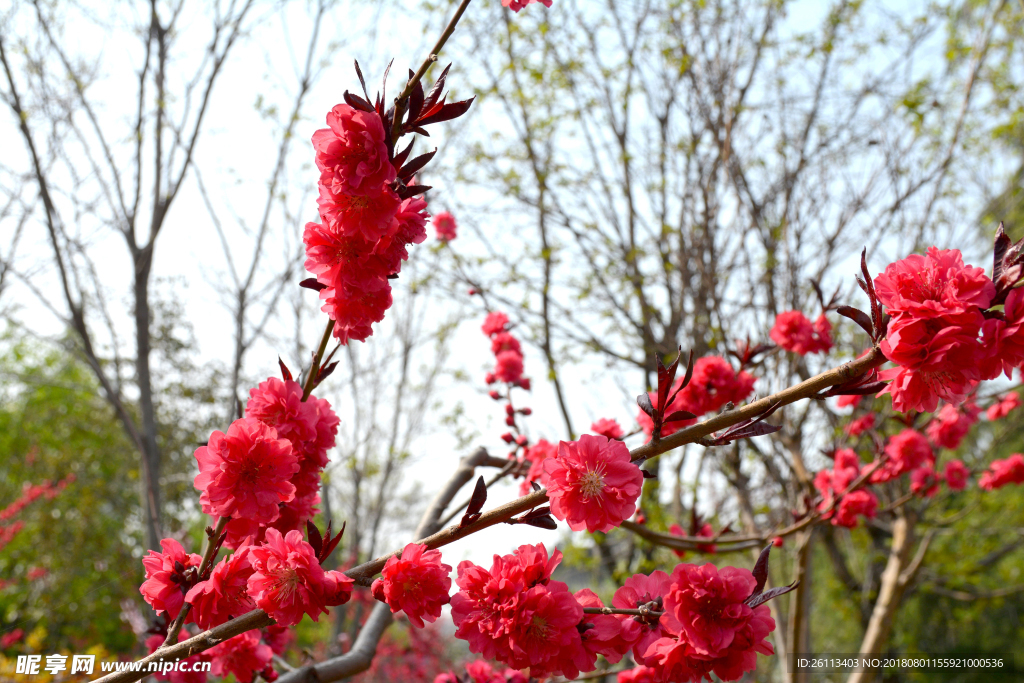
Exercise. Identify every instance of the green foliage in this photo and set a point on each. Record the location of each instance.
(88, 539)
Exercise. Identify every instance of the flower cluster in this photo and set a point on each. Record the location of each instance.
(508, 353)
(939, 335)
(591, 483)
(415, 582)
(951, 424)
(1003, 406)
(794, 332)
(698, 621)
(714, 383)
(165, 576)
(1003, 472)
(843, 506)
(365, 226)
(904, 452)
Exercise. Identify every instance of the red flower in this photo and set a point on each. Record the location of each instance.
(853, 506)
(714, 383)
(245, 473)
(956, 475)
(278, 638)
(711, 628)
(368, 216)
(603, 635)
(592, 484)
(351, 153)
(907, 451)
(516, 614)
(494, 323)
(222, 596)
(778, 541)
(846, 400)
(794, 332)
(950, 425)
(160, 589)
(278, 404)
(516, 5)
(935, 302)
(536, 455)
(924, 481)
(1003, 472)
(355, 310)
(607, 428)
(288, 580)
(509, 366)
(860, 425)
(503, 341)
(639, 674)
(444, 225)
(417, 583)
(1002, 408)
(1004, 339)
(244, 656)
(637, 590)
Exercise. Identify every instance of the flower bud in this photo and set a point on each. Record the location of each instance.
(510, 421)
(495, 395)
(525, 411)
(507, 437)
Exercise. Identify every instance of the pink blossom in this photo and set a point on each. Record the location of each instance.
(711, 627)
(714, 383)
(516, 614)
(592, 484)
(355, 310)
(278, 404)
(503, 341)
(351, 153)
(288, 581)
(516, 5)
(444, 225)
(639, 674)
(847, 400)
(907, 451)
(1004, 338)
(223, 595)
(482, 672)
(853, 506)
(509, 366)
(794, 332)
(1003, 472)
(607, 428)
(637, 590)
(1003, 406)
(956, 475)
(368, 216)
(860, 425)
(935, 302)
(924, 481)
(160, 590)
(416, 583)
(244, 656)
(494, 323)
(536, 455)
(950, 425)
(245, 473)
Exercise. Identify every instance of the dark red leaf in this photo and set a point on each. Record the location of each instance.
(448, 112)
(415, 98)
(545, 522)
(314, 537)
(479, 497)
(417, 129)
(761, 570)
(313, 283)
(402, 156)
(285, 372)
(858, 316)
(679, 415)
(413, 190)
(409, 170)
(648, 474)
(326, 371)
(644, 401)
(362, 82)
(435, 92)
(357, 102)
(761, 598)
(331, 544)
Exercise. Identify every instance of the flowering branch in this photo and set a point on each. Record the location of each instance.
(314, 369)
(214, 540)
(403, 98)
